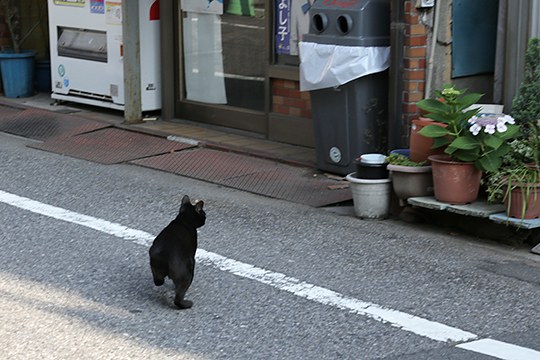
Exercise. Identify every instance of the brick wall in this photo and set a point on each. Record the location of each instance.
(414, 61)
(287, 99)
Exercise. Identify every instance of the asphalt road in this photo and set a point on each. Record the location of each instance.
(275, 280)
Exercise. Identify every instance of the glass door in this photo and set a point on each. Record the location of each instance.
(223, 63)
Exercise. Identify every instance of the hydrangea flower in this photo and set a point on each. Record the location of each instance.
(490, 123)
(465, 135)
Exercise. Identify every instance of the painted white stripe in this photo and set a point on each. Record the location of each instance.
(407, 322)
(118, 230)
(501, 350)
(417, 325)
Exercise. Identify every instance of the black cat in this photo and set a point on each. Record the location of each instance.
(173, 252)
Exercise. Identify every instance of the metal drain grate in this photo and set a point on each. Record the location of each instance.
(42, 124)
(111, 146)
(247, 173)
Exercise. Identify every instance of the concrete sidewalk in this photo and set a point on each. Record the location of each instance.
(241, 161)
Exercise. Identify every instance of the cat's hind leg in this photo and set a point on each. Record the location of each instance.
(159, 271)
(180, 302)
(181, 284)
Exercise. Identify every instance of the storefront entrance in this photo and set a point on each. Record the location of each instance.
(222, 63)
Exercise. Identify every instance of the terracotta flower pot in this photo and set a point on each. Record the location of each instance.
(419, 145)
(454, 182)
(514, 205)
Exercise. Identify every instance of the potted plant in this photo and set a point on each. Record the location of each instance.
(517, 181)
(371, 197)
(472, 144)
(520, 186)
(421, 146)
(409, 178)
(16, 65)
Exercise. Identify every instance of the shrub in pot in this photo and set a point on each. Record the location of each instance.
(473, 144)
(520, 186)
(516, 181)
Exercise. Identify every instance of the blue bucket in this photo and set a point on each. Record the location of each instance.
(17, 73)
(404, 152)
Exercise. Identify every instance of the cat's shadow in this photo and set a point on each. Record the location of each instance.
(164, 295)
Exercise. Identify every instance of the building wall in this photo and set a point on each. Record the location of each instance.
(414, 62)
(290, 118)
(287, 99)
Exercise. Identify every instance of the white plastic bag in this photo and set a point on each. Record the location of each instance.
(326, 65)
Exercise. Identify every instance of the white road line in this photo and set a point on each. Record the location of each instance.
(500, 350)
(407, 322)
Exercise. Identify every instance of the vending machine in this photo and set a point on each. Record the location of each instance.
(87, 52)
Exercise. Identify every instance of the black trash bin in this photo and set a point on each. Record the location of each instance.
(350, 119)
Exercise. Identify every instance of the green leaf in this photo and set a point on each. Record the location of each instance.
(433, 131)
(466, 155)
(489, 163)
(500, 151)
(443, 118)
(470, 113)
(512, 131)
(432, 105)
(493, 142)
(465, 143)
(440, 142)
(469, 99)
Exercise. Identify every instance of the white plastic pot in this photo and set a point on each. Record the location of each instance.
(411, 181)
(371, 197)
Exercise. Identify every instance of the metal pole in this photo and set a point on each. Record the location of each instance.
(167, 13)
(429, 75)
(132, 62)
(395, 112)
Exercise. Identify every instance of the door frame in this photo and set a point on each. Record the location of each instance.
(213, 114)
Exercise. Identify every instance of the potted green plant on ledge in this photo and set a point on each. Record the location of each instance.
(409, 178)
(520, 186)
(472, 144)
(16, 65)
(517, 181)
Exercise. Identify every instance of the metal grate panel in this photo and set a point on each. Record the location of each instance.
(111, 146)
(260, 176)
(43, 124)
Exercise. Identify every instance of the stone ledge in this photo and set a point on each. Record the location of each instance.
(480, 209)
(525, 223)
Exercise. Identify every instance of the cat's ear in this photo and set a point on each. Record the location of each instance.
(199, 205)
(185, 200)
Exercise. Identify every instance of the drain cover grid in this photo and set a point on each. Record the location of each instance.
(251, 174)
(111, 146)
(40, 124)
